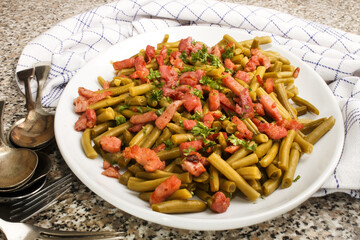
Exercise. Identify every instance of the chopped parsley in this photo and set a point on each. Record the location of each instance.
(156, 95)
(206, 80)
(228, 53)
(188, 69)
(169, 144)
(187, 151)
(214, 61)
(153, 74)
(201, 55)
(197, 93)
(297, 178)
(120, 120)
(236, 142)
(197, 116)
(202, 130)
(160, 111)
(158, 84)
(183, 56)
(123, 107)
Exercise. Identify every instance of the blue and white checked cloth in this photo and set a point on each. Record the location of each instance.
(334, 54)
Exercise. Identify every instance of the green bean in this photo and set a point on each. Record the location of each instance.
(245, 161)
(262, 149)
(306, 147)
(107, 115)
(182, 137)
(179, 194)
(123, 162)
(321, 130)
(141, 135)
(114, 132)
(273, 172)
(100, 128)
(270, 155)
(169, 154)
(226, 185)
(165, 135)
(232, 175)
(301, 110)
(242, 152)
(249, 172)
(115, 91)
(86, 144)
(310, 125)
(151, 138)
(124, 178)
(302, 102)
(261, 138)
(214, 179)
(136, 168)
(176, 128)
(184, 177)
(270, 186)
(284, 152)
(127, 137)
(170, 167)
(144, 186)
(107, 102)
(179, 206)
(284, 80)
(141, 89)
(283, 98)
(255, 43)
(204, 177)
(136, 101)
(290, 172)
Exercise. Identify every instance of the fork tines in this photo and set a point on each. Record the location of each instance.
(25, 208)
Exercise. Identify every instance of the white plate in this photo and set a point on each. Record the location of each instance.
(314, 169)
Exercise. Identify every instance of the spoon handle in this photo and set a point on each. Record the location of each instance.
(2, 139)
(42, 70)
(26, 76)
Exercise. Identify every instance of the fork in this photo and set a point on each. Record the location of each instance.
(23, 231)
(23, 209)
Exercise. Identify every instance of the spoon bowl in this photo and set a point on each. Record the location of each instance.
(37, 129)
(16, 165)
(42, 169)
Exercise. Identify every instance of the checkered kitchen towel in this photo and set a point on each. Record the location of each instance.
(334, 54)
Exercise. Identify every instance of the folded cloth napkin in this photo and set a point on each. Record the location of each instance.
(334, 54)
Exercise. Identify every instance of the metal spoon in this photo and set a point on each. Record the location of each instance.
(16, 165)
(37, 130)
(42, 169)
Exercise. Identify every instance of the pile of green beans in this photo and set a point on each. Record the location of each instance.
(252, 172)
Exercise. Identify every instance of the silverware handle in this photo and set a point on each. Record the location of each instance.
(2, 138)
(41, 74)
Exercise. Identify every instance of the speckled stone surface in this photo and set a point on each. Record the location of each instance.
(331, 217)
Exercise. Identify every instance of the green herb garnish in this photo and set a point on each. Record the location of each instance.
(123, 107)
(236, 142)
(169, 144)
(228, 53)
(120, 120)
(297, 178)
(206, 80)
(197, 116)
(202, 130)
(197, 93)
(156, 95)
(153, 74)
(188, 151)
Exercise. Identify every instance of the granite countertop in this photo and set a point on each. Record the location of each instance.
(335, 216)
